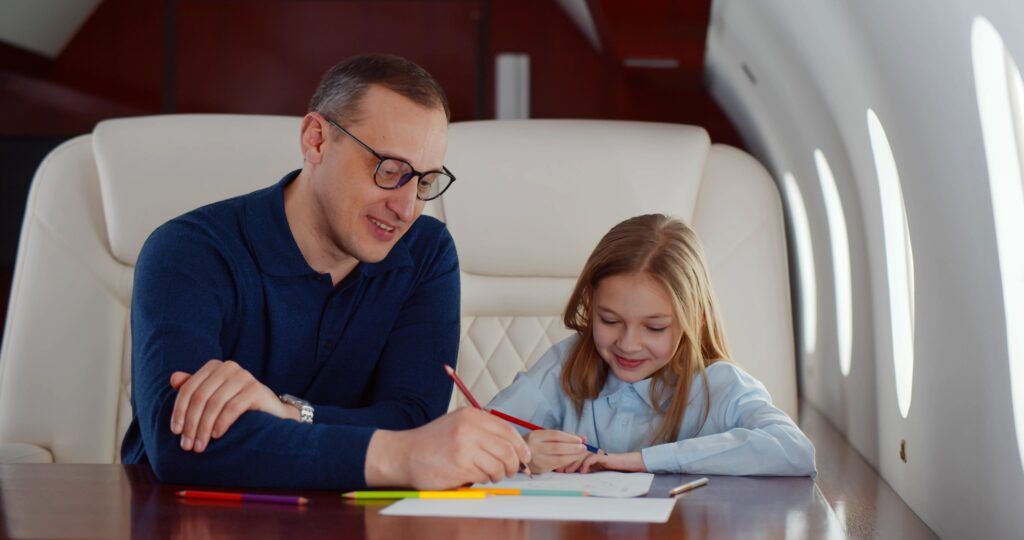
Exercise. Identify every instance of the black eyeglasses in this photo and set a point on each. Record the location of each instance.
(393, 173)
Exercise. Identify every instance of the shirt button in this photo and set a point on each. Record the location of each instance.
(328, 345)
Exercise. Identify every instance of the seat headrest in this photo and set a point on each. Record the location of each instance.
(154, 168)
(533, 197)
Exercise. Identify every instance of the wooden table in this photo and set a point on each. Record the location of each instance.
(115, 501)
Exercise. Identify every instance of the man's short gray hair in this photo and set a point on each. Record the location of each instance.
(341, 90)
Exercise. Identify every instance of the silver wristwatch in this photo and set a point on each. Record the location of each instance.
(305, 409)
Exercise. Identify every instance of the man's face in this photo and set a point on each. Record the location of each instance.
(361, 219)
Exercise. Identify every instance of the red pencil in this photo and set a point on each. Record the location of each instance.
(241, 497)
(462, 387)
(508, 417)
(514, 420)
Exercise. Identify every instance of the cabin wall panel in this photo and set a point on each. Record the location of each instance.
(911, 64)
(784, 123)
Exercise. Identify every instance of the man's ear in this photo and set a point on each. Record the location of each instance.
(312, 137)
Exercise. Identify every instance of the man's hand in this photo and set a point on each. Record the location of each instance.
(211, 399)
(552, 449)
(628, 462)
(459, 448)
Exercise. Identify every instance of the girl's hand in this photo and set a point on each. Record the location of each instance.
(552, 449)
(629, 462)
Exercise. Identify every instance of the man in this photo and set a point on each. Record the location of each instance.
(327, 286)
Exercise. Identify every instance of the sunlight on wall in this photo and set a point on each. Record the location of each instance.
(805, 262)
(899, 262)
(840, 260)
(1000, 94)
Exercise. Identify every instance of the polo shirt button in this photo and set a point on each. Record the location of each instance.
(327, 345)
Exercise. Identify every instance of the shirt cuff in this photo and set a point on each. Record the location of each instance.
(661, 459)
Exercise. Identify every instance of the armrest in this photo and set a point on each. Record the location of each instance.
(24, 453)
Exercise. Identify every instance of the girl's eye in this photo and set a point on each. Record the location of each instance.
(662, 329)
(606, 321)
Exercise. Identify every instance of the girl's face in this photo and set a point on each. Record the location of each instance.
(635, 330)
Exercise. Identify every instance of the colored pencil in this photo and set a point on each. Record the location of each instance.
(240, 497)
(530, 492)
(531, 426)
(688, 486)
(508, 417)
(415, 495)
(462, 387)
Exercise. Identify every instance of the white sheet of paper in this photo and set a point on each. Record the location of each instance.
(598, 484)
(553, 508)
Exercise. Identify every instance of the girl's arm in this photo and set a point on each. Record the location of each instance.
(536, 396)
(745, 434)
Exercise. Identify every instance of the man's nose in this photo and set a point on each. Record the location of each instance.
(403, 202)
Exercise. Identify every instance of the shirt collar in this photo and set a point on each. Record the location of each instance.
(275, 248)
(614, 385)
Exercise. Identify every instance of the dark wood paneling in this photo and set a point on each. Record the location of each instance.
(568, 77)
(116, 55)
(267, 56)
(23, 61)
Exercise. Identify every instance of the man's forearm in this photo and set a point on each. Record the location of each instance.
(391, 414)
(261, 450)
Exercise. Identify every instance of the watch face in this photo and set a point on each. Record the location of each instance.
(292, 400)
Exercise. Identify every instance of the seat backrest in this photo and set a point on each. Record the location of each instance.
(65, 364)
(539, 194)
(533, 197)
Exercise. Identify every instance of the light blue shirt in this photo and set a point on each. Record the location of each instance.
(744, 433)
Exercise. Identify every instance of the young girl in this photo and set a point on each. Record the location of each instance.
(647, 377)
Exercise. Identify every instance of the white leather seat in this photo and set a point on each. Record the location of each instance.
(533, 197)
(536, 197)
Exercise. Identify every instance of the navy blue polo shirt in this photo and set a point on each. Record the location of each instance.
(228, 281)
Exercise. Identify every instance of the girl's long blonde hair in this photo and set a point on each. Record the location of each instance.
(668, 251)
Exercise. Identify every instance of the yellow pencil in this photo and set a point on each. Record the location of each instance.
(415, 495)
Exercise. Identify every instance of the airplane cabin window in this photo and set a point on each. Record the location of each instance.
(899, 262)
(1000, 94)
(840, 260)
(805, 262)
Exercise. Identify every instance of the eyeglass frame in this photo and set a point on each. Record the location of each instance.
(380, 161)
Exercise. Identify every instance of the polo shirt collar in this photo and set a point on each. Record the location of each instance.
(276, 251)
